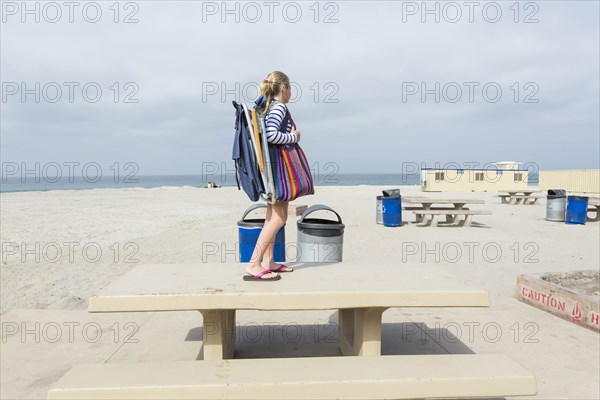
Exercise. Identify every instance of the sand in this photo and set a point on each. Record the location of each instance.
(50, 261)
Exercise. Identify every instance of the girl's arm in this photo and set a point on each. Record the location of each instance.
(273, 126)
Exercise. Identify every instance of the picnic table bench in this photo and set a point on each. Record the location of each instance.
(594, 206)
(519, 197)
(359, 292)
(452, 213)
(386, 377)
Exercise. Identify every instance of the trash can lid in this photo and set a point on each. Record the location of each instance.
(557, 192)
(252, 222)
(391, 193)
(319, 223)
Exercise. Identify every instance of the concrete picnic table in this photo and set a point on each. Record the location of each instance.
(427, 203)
(361, 292)
(518, 196)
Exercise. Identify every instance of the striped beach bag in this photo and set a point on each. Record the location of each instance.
(291, 172)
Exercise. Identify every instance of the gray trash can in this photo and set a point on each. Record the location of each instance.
(319, 240)
(379, 211)
(556, 204)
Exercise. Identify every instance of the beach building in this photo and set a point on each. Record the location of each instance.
(505, 175)
(573, 180)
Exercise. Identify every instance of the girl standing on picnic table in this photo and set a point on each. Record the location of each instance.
(275, 92)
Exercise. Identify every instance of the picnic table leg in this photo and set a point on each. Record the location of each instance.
(419, 218)
(456, 221)
(360, 331)
(453, 218)
(434, 220)
(468, 220)
(218, 334)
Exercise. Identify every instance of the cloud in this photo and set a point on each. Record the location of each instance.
(365, 62)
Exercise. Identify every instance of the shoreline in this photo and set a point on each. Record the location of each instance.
(532, 185)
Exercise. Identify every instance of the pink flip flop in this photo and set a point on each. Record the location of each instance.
(258, 277)
(280, 268)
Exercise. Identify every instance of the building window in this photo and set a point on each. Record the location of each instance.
(479, 176)
(439, 176)
(498, 172)
(461, 172)
(518, 177)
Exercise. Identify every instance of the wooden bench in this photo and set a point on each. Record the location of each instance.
(451, 214)
(386, 377)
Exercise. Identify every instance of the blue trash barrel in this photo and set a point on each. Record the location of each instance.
(249, 230)
(576, 210)
(392, 211)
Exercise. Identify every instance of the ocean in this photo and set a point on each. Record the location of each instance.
(40, 183)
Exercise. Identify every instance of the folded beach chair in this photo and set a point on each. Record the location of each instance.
(251, 155)
(261, 149)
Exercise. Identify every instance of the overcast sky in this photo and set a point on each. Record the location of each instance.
(359, 70)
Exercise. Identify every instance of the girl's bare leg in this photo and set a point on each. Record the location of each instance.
(268, 258)
(266, 238)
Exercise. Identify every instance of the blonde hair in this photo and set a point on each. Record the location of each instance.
(271, 86)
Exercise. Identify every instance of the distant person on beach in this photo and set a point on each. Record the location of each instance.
(275, 92)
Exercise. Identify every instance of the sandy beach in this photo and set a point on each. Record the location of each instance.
(61, 247)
